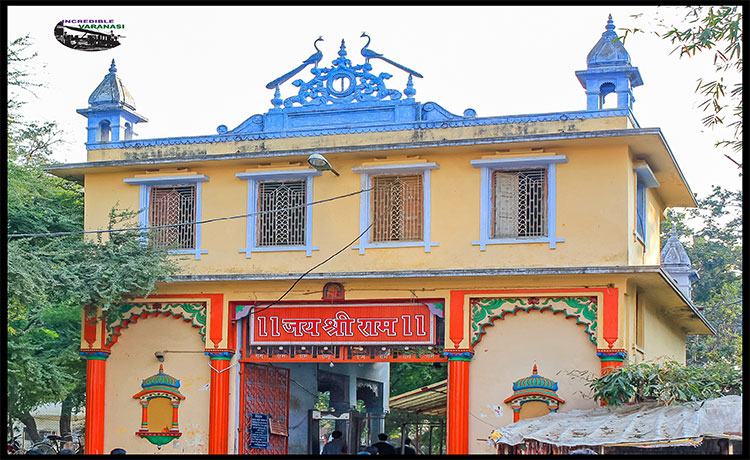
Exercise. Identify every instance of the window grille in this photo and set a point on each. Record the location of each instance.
(172, 206)
(282, 228)
(519, 203)
(397, 208)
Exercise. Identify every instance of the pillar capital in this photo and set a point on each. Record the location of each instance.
(459, 354)
(101, 354)
(221, 355)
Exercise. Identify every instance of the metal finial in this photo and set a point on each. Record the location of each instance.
(112, 68)
(610, 24)
(161, 368)
(342, 50)
(276, 101)
(410, 91)
(535, 372)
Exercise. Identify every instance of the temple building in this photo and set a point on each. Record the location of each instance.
(519, 251)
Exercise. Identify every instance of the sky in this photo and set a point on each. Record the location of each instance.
(193, 68)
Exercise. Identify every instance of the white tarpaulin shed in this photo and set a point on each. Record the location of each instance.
(643, 425)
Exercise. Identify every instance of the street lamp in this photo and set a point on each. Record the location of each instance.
(319, 162)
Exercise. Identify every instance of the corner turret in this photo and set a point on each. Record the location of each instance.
(111, 111)
(609, 70)
(675, 261)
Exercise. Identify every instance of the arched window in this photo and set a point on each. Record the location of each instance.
(607, 101)
(128, 131)
(104, 131)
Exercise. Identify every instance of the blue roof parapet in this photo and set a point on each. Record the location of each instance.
(609, 70)
(344, 95)
(347, 99)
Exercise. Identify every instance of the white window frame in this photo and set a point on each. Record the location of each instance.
(366, 173)
(644, 179)
(146, 183)
(253, 179)
(488, 166)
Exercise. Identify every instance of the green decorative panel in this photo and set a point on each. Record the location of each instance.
(124, 314)
(485, 311)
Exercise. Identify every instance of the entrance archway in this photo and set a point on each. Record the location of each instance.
(341, 350)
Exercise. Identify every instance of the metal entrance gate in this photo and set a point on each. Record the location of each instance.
(265, 390)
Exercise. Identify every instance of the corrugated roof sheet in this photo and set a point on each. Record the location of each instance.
(644, 425)
(431, 399)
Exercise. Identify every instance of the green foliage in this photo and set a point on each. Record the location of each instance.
(406, 377)
(410, 376)
(51, 279)
(716, 254)
(716, 29)
(668, 382)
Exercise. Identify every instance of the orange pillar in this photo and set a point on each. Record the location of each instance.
(218, 417)
(458, 403)
(95, 370)
(611, 361)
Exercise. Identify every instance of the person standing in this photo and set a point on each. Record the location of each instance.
(336, 445)
(384, 447)
(408, 449)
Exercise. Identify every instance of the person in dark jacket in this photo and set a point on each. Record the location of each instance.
(384, 447)
(408, 449)
(336, 445)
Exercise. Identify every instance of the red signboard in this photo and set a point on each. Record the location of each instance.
(364, 324)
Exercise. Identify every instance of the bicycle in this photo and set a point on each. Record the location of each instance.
(54, 444)
(14, 447)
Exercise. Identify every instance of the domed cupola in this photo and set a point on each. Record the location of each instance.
(609, 70)
(533, 388)
(675, 261)
(111, 111)
(111, 92)
(534, 381)
(161, 380)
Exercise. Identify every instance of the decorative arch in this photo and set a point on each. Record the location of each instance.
(533, 388)
(125, 314)
(485, 311)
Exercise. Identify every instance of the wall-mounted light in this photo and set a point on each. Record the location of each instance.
(319, 162)
(159, 355)
(330, 364)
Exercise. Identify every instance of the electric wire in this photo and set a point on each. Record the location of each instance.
(375, 219)
(215, 219)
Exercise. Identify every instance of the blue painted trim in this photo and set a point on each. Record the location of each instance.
(145, 185)
(519, 162)
(253, 178)
(645, 175)
(487, 165)
(367, 172)
(166, 180)
(448, 122)
(641, 219)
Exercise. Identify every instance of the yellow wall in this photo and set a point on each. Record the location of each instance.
(132, 360)
(508, 351)
(592, 199)
(662, 339)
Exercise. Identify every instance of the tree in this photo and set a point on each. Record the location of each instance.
(667, 382)
(716, 29)
(716, 254)
(51, 278)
